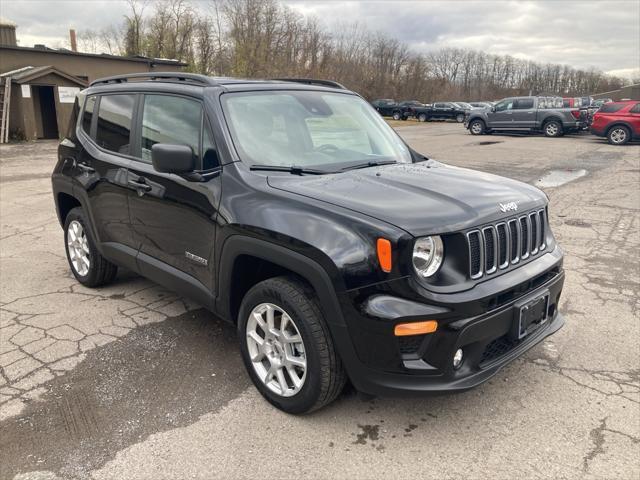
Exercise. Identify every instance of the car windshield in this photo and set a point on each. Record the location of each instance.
(323, 130)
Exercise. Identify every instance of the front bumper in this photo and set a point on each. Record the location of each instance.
(381, 365)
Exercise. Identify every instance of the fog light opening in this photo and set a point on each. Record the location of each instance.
(458, 357)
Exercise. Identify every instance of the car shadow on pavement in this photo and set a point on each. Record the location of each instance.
(158, 377)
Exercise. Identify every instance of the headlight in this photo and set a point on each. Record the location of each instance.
(428, 253)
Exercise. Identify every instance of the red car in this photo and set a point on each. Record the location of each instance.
(618, 121)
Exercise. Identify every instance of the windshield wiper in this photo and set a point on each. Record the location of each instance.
(370, 163)
(291, 169)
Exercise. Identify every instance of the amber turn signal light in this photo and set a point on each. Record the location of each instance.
(415, 328)
(384, 254)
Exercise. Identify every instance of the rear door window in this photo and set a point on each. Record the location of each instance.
(523, 104)
(635, 109)
(114, 122)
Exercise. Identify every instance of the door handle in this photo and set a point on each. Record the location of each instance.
(139, 185)
(85, 168)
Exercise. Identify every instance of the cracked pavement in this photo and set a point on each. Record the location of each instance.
(133, 381)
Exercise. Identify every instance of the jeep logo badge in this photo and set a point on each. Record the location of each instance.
(507, 207)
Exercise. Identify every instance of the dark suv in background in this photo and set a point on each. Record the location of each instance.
(293, 211)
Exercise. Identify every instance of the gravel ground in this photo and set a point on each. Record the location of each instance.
(132, 381)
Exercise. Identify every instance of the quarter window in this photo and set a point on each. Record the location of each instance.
(172, 120)
(87, 115)
(114, 122)
(635, 109)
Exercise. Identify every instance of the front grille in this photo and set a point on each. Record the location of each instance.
(495, 247)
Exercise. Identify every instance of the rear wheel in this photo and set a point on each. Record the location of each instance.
(476, 127)
(287, 348)
(87, 264)
(460, 118)
(553, 128)
(422, 117)
(397, 116)
(618, 135)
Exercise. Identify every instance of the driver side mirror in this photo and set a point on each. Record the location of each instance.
(167, 158)
(493, 109)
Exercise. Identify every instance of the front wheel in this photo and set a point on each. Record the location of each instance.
(397, 116)
(422, 117)
(618, 135)
(460, 118)
(287, 348)
(553, 128)
(476, 127)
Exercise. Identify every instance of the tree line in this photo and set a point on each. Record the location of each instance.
(266, 39)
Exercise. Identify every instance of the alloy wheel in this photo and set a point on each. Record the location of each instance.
(476, 128)
(552, 129)
(78, 248)
(618, 135)
(276, 349)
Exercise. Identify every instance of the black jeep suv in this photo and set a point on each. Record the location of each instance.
(291, 209)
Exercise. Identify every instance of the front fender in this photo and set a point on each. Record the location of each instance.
(237, 245)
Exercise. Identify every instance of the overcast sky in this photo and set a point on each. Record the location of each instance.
(585, 33)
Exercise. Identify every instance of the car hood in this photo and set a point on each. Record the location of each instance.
(423, 198)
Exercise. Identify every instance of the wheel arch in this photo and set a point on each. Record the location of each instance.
(65, 202)
(618, 123)
(268, 260)
(476, 118)
(553, 118)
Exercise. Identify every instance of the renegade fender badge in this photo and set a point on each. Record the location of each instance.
(507, 207)
(196, 258)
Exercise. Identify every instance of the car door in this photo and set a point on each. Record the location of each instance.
(173, 217)
(501, 116)
(438, 111)
(101, 169)
(524, 113)
(634, 120)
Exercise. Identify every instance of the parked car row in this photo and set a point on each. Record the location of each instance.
(425, 112)
(554, 116)
(619, 122)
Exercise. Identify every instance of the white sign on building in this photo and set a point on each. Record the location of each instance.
(26, 91)
(67, 94)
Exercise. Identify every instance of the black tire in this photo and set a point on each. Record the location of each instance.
(477, 127)
(325, 377)
(101, 271)
(618, 135)
(552, 128)
(397, 116)
(459, 118)
(422, 117)
(404, 117)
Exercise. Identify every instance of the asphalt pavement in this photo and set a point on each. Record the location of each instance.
(133, 381)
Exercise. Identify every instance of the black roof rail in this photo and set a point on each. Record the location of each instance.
(313, 81)
(159, 76)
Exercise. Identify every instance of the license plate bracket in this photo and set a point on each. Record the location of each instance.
(530, 315)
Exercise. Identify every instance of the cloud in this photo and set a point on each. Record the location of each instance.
(603, 34)
(584, 34)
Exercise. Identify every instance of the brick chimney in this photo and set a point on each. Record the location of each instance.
(72, 39)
